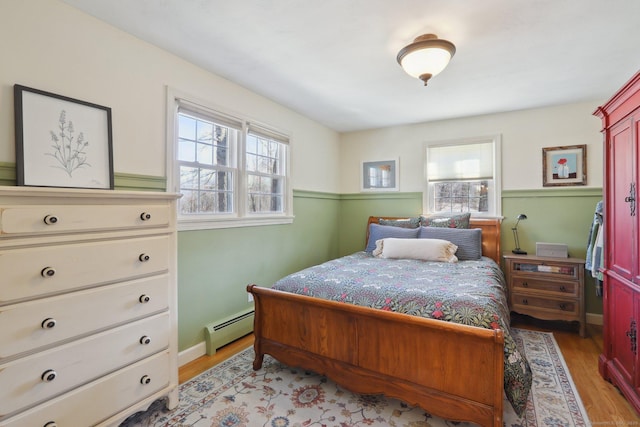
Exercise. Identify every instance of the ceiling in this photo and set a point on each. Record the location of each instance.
(335, 60)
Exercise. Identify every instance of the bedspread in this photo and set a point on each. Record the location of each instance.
(466, 292)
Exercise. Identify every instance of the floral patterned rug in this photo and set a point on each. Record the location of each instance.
(232, 394)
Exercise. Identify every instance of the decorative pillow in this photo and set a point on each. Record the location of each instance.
(377, 232)
(469, 241)
(404, 223)
(446, 221)
(422, 249)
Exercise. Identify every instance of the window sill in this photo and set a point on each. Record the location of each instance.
(208, 224)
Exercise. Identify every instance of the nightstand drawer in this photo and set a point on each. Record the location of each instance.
(524, 302)
(569, 288)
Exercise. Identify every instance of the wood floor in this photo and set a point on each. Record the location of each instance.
(603, 403)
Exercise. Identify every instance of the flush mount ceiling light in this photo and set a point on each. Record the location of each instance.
(426, 56)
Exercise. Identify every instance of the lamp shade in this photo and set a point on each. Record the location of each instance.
(426, 57)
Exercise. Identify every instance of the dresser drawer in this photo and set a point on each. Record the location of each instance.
(51, 219)
(35, 272)
(523, 302)
(98, 400)
(34, 324)
(569, 288)
(33, 379)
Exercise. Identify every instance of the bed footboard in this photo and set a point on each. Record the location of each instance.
(452, 371)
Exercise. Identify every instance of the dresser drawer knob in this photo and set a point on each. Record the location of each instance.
(145, 216)
(49, 375)
(48, 272)
(50, 219)
(144, 257)
(145, 340)
(48, 323)
(51, 424)
(144, 299)
(146, 379)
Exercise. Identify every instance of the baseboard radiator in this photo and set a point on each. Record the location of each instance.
(228, 329)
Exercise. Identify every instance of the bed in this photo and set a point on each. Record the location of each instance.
(451, 370)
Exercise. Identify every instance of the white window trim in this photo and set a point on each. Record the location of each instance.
(241, 218)
(497, 159)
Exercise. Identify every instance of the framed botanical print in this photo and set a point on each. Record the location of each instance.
(61, 141)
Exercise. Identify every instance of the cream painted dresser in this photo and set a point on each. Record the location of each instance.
(88, 324)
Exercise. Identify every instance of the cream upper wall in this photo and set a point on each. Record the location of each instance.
(524, 134)
(48, 45)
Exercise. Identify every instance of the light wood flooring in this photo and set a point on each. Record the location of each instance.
(603, 403)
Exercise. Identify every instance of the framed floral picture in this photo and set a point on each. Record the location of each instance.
(61, 141)
(381, 175)
(564, 166)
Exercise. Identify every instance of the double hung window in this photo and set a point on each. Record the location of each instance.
(464, 176)
(230, 172)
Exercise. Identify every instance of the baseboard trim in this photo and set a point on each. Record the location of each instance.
(595, 319)
(192, 353)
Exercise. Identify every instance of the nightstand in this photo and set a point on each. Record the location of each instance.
(546, 288)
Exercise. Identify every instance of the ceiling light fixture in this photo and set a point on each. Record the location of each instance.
(426, 56)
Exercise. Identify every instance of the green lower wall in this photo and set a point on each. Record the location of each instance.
(215, 266)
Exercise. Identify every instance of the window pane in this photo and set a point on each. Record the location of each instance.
(205, 154)
(188, 177)
(186, 150)
(460, 196)
(205, 131)
(186, 127)
(189, 202)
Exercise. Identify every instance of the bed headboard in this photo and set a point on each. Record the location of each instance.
(490, 233)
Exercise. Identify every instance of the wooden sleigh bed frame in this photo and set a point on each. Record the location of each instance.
(450, 370)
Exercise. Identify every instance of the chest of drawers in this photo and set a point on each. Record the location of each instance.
(547, 288)
(88, 325)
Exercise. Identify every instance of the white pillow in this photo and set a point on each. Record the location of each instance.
(422, 249)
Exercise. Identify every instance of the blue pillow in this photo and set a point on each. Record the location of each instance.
(377, 232)
(468, 240)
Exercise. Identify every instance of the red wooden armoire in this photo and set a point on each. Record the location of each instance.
(619, 362)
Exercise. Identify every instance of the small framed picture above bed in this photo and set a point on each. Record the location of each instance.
(380, 175)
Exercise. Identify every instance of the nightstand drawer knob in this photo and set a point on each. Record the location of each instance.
(525, 284)
(525, 301)
(144, 299)
(145, 380)
(145, 216)
(562, 306)
(144, 257)
(563, 288)
(145, 340)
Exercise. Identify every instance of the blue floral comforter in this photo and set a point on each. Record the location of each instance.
(466, 292)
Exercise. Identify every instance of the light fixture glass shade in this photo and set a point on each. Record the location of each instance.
(426, 57)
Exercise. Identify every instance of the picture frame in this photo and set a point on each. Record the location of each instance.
(62, 141)
(380, 175)
(564, 166)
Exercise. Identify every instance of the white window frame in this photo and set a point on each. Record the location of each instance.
(495, 199)
(240, 216)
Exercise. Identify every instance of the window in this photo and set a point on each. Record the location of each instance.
(230, 172)
(463, 176)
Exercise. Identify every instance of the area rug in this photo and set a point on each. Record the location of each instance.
(232, 394)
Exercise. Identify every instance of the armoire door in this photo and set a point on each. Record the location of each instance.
(620, 187)
(623, 321)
